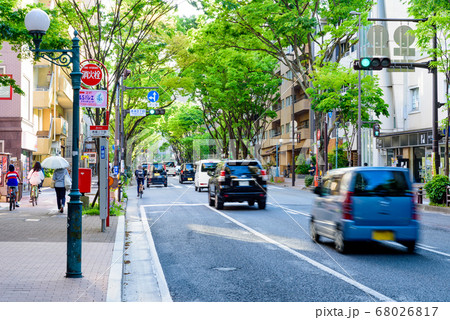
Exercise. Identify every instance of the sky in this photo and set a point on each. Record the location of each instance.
(185, 9)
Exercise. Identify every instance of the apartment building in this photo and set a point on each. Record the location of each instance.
(278, 139)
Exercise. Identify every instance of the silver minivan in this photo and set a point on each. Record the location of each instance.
(365, 204)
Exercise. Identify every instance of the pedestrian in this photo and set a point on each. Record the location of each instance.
(13, 180)
(59, 177)
(40, 184)
(36, 176)
(312, 169)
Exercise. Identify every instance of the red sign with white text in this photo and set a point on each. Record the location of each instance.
(92, 74)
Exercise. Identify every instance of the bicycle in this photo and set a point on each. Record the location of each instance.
(12, 198)
(34, 195)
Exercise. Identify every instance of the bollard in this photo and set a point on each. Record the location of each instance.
(419, 195)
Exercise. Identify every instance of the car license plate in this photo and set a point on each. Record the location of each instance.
(383, 235)
(156, 174)
(244, 183)
(189, 179)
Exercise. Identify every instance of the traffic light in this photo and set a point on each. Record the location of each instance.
(372, 63)
(376, 130)
(153, 112)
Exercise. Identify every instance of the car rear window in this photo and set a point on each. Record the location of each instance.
(244, 167)
(208, 166)
(382, 183)
(170, 164)
(189, 166)
(158, 167)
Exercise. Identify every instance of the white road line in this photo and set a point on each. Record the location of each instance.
(279, 188)
(322, 267)
(159, 273)
(173, 204)
(431, 250)
(289, 210)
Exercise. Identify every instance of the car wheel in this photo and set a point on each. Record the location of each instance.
(211, 201)
(181, 181)
(251, 203)
(313, 232)
(261, 204)
(165, 185)
(196, 189)
(340, 244)
(218, 203)
(410, 246)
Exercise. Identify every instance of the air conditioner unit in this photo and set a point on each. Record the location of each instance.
(2, 145)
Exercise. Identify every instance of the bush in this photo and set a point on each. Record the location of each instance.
(301, 166)
(436, 189)
(309, 180)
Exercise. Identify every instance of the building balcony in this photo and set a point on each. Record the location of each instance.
(41, 98)
(64, 93)
(44, 145)
(302, 105)
(304, 133)
(61, 127)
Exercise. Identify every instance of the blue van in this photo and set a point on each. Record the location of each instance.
(365, 203)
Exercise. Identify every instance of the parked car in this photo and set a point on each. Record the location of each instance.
(201, 173)
(238, 181)
(170, 168)
(365, 204)
(178, 169)
(156, 175)
(187, 173)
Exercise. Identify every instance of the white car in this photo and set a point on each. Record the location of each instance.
(170, 168)
(201, 172)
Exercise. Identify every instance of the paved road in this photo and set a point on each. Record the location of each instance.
(245, 254)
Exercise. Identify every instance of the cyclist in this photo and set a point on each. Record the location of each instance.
(35, 176)
(13, 180)
(140, 176)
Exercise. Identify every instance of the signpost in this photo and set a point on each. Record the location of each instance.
(153, 96)
(138, 112)
(93, 98)
(92, 74)
(99, 131)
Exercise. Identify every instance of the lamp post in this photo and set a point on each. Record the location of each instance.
(37, 23)
(358, 137)
(278, 170)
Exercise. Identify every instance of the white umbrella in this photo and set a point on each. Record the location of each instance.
(55, 162)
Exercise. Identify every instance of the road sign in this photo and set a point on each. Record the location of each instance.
(153, 105)
(116, 169)
(92, 74)
(153, 96)
(138, 112)
(99, 131)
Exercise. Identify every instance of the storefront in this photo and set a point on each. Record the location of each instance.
(412, 150)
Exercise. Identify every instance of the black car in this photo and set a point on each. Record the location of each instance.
(156, 175)
(187, 172)
(238, 181)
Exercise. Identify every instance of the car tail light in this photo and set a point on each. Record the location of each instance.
(415, 215)
(222, 176)
(264, 175)
(181, 171)
(347, 210)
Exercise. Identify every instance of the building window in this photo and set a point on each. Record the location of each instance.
(414, 99)
(289, 75)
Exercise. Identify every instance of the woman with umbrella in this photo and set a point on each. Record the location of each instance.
(59, 177)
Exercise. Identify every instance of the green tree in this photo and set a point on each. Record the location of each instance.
(335, 88)
(438, 14)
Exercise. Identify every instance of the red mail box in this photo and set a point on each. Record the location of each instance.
(84, 180)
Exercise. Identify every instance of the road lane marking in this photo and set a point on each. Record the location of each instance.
(289, 210)
(159, 273)
(318, 265)
(279, 188)
(172, 204)
(431, 250)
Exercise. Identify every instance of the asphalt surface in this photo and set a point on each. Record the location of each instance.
(245, 254)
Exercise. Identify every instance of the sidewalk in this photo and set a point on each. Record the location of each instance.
(33, 246)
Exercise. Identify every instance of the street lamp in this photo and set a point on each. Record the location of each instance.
(37, 23)
(278, 170)
(358, 137)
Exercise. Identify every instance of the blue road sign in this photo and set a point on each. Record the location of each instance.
(102, 152)
(330, 114)
(153, 96)
(116, 169)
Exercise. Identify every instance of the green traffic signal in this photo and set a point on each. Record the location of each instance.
(153, 112)
(376, 130)
(365, 62)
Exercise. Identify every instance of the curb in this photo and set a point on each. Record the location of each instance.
(428, 208)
